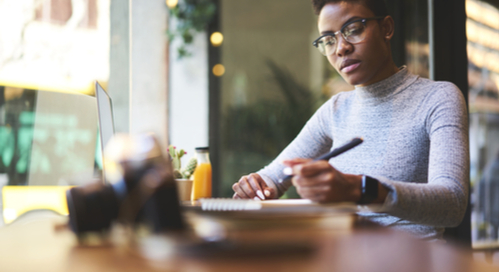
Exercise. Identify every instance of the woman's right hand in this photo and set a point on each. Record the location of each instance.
(253, 186)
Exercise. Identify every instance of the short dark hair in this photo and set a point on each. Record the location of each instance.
(378, 7)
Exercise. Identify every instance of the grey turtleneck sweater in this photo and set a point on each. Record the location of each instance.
(416, 144)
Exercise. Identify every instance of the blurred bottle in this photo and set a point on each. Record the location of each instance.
(202, 177)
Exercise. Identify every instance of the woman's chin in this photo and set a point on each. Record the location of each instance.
(352, 80)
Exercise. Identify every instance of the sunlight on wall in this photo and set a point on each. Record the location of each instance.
(59, 48)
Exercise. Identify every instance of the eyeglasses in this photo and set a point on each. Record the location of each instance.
(353, 32)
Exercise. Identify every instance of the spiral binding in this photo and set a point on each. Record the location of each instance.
(229, 204)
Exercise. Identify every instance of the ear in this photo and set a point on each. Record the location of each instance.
(387, 28)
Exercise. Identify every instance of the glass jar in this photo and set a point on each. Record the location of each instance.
(202, 177)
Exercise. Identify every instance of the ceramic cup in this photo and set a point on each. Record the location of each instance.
(184, 187)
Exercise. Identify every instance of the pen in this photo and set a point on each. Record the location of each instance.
(286, 181)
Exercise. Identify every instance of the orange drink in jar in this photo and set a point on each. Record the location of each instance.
(202, 177)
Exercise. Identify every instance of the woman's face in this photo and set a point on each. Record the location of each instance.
(368, 61)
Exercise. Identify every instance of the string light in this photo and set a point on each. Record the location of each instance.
(172, 3)
(218, 70)
(216, 39)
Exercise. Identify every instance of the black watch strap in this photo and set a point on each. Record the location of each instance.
(369, 190)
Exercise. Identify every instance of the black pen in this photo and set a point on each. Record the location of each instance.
(287, 181)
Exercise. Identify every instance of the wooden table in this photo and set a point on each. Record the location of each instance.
(37, 242)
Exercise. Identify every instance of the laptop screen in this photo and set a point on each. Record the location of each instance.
(105, 112)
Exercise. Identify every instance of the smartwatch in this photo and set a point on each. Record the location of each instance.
(369, 190)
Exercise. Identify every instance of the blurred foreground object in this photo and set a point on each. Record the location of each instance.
(140, 191)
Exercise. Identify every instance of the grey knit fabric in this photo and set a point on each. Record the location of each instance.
(416, 144)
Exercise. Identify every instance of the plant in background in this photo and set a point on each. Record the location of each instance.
(192, 16)
(268, 126)
(254, 134)
(176, 155)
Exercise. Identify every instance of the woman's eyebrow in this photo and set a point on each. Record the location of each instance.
(353, 18)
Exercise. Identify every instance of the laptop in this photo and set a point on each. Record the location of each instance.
(18, 200)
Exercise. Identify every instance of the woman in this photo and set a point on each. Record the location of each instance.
(414, 158)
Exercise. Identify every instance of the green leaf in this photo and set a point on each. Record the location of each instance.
(187, 37)
(192, 16)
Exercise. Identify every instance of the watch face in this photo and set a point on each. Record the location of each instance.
(369, 190)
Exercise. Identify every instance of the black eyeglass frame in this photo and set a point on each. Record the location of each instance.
(362, 20)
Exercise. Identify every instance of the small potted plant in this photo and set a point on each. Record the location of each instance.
(182, 175)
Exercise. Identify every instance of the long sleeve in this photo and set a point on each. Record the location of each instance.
(415, 135)
(443, 199)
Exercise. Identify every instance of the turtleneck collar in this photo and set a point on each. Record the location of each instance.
(387, 87)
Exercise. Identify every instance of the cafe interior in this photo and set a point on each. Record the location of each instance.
(96, 95)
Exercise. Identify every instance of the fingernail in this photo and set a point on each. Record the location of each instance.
(267, 193)
(256, 198)
(287, 171)
(260, 194)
